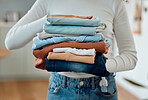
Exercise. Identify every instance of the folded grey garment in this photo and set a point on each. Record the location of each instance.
(44, 35)
(101, 28)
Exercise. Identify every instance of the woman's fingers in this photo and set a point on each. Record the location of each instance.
(87, 17)
(106, 50)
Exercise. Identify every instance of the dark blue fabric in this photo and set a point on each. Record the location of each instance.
(98, 68)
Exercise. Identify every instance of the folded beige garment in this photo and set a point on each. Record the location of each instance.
(71, 57)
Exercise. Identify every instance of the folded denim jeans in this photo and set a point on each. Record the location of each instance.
(37, 43)
(73, 30)
(73, 21)
(98, 68)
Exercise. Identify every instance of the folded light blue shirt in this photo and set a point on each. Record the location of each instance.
(37, 43)
(74, 21)
(73, 30)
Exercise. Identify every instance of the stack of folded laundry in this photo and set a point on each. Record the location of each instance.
(71, 45)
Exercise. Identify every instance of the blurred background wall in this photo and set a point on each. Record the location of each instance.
(138, 84)
(14, 5)
(19, 64)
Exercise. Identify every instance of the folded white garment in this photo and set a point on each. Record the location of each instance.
(44, 35)
(76, 51)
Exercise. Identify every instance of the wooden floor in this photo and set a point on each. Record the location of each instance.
(37, 90)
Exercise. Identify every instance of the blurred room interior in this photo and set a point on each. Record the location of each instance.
(20, 80)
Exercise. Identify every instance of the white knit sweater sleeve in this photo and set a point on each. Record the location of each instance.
(26, 28)
(127, 58)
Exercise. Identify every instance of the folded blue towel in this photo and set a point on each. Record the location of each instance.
(37, 43)
(73, 30)
(73, 21)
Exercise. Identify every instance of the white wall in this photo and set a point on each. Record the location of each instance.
(13, 5)
(19, 65)
(140, 73)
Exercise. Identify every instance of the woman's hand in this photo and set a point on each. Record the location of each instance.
(86, 17)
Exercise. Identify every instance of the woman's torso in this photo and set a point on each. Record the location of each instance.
(104, 9)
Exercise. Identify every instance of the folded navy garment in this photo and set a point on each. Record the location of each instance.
(98, 68)
(73, 21)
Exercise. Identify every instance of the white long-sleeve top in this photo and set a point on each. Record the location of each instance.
(111, 12)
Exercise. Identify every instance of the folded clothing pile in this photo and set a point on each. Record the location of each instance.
(71, 45)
